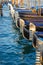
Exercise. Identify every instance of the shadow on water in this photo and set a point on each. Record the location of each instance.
(28, 49)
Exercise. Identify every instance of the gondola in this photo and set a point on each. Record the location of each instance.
(31, 28)
(17, 10)
(29, 18)
(37, 43)
(37, 39)
(23, 14)
(35, 19)
(27, 14)
(28, 32)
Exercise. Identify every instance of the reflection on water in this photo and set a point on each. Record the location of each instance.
(14, 49)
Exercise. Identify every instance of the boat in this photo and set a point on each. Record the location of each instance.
(30, 28)
(21, 12)
(37, 43)
(17, 16)
(28, 31)
(25, 14)
(35, 23)
(29, 14)
(37, 39)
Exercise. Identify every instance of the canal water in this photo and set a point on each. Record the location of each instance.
(14, 49)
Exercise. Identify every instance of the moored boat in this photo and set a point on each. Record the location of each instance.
(25, 15)
(37, 39)
(21, 12)
(22, 15)
(38, 45)
(30, 14)
(33, 22)
(29, 29)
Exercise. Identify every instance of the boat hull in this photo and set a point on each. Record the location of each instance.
(28, 34)
(38, 40)
(32, 28)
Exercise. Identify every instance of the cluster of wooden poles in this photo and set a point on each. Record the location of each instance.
(30, 23)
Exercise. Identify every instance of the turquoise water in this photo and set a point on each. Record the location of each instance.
(14, 49)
